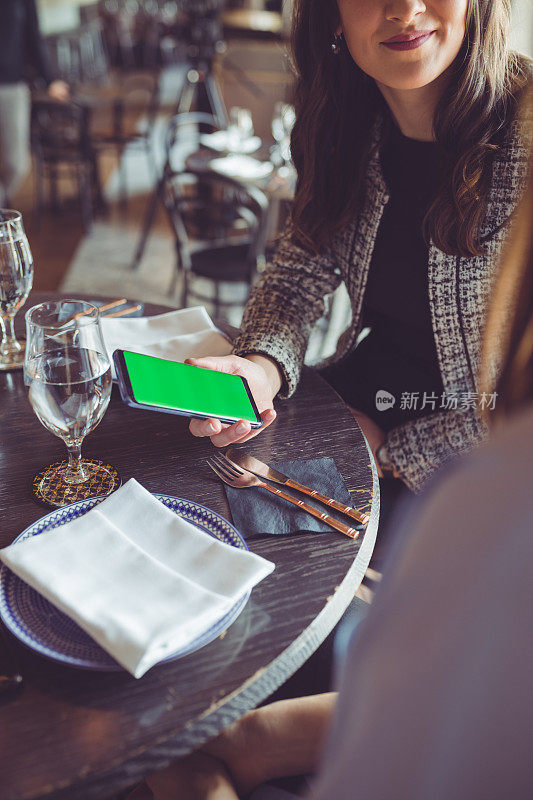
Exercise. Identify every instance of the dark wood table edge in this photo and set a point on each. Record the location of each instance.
(229, 709)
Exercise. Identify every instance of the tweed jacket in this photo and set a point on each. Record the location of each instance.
(289, 298)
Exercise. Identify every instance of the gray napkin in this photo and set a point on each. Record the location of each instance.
(258, 511)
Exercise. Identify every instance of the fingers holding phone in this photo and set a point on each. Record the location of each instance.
(264, 380)
(150, 383)
(223, 435)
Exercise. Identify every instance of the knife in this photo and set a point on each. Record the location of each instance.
(257, 467)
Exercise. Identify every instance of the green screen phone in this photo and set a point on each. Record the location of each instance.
(159, 385)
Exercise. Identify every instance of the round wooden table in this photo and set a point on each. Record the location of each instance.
(79, 735)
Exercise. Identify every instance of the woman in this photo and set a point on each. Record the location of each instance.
(435, 699)
(21, 50)
(410, 163)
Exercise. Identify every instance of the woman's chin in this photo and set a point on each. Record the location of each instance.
(408, 77)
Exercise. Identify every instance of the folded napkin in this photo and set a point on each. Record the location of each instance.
(240, 166)
(227, 141)
(259, 511)
(177, 335)
(137, 578)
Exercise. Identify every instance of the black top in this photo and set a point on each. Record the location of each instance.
(399, 355)
(22, 48)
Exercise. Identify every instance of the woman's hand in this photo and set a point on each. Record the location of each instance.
(60, 91)
(373, 433)
(196, 777)
(283, 738)
(273, 741)
(264, 381)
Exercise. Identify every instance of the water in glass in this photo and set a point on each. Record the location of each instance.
(69, 392)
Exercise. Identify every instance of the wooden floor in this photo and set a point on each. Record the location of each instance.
(54, 241)
(254, 76)
(53, 245)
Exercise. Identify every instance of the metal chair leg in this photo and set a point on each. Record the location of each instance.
(217, 298)
(53, 188)
(123, 191)
(100, 202)
(184, 289)
(174, 279)
(147, 226)
(39, 193)
(84, 193)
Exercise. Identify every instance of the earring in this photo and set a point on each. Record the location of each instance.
(336, 44)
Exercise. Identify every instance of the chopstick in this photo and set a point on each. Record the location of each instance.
(124, 311)
(105, 307)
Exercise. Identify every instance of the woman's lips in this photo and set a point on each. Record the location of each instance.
(408, 41)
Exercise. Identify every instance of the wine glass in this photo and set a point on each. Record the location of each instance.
(16, 278)
(240, 128)
(282, 125)
(68, 373)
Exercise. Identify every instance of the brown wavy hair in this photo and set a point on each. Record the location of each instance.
(337, 105)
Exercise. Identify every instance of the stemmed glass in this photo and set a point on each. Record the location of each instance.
(16, 278)
(282, 125)
(240, 128)
(68, 374)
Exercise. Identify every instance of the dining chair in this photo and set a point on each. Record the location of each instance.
(128, 124)
(135, 30)
(182, 137)
(220, 228)
(119, 24)
(61, 146)
(79, 56)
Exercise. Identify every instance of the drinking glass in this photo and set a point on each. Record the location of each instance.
(282, 125)
(68, 374)
(240, 128)
(16, 278)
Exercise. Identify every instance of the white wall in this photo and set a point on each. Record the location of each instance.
(59, 15)
(522, 27)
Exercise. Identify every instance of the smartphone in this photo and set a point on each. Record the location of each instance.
(157, 384)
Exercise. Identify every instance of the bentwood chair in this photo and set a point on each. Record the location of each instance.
(220, 233)
(128, 124)
(79, 56)
(61, 145)
(182, 137)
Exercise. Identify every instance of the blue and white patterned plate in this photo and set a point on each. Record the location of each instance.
(42, 627)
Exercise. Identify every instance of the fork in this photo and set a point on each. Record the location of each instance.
(241, 479)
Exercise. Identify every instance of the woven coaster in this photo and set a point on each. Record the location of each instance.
(49, 488)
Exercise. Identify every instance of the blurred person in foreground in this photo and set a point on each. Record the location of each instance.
(436, 689)
(22, 52)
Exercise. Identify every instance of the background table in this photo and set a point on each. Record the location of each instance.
(80, 735)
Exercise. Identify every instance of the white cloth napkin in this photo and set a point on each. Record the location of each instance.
(245, 167)
(224, 141)
(177, 335)
(136, 577)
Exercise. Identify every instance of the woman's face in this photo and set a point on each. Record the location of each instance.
(403, 44)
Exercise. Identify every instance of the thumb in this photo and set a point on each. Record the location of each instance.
(218, 363)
